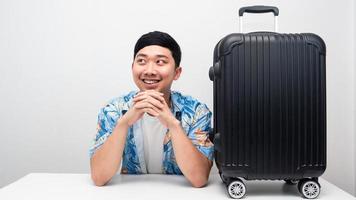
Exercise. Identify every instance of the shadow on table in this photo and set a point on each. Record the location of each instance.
(173, 180)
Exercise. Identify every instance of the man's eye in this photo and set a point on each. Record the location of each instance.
(161, 62)
(141, 61)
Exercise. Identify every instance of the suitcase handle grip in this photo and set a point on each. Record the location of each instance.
(259, 9)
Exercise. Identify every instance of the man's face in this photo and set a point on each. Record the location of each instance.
(154, 69)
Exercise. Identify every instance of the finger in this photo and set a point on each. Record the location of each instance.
(139, 98)
(151, 112)
(141, 105)
(149, 96)
(154, 102)
(149, 92)
(139, 93)
(157, 103)
(149, 104)
(156, 95)
(158, 110)
(154, 91)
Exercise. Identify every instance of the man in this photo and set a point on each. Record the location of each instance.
(154, 130)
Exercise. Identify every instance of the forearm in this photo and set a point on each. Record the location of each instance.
(107, 159)
(193, 164)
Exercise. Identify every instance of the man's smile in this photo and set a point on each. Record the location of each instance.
(150, 81)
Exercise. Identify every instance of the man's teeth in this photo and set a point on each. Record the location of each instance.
(150, 81)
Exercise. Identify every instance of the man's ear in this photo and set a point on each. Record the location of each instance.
(178, 71)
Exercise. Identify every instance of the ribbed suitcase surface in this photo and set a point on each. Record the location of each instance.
(270, 105)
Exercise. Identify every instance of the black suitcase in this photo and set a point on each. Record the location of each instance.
(270, 108)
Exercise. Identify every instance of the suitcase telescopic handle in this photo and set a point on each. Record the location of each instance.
(260, 9)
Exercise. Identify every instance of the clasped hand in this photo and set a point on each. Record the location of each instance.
(152, 103)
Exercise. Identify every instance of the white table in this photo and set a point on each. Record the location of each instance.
(79, 186)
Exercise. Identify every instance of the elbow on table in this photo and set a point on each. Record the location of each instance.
(199, 181)
(98, 180)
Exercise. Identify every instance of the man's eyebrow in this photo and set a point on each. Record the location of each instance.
(141, 54)
(162, 56)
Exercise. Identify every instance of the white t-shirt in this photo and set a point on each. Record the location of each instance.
(153, 135)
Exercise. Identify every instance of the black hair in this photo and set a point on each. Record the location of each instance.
(161, 39)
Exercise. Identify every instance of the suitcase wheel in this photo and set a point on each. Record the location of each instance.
(309, 188)
(236, 189)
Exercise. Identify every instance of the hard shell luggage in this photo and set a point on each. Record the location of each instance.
(269, 108)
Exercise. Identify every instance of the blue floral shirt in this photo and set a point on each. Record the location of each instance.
(195, 118)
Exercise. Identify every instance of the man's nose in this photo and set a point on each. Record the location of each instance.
(150, 68)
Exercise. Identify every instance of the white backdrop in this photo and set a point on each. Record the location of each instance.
(60, 61)
(354, 80)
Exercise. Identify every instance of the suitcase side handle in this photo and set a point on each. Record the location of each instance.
(215, 71)
(260, 9)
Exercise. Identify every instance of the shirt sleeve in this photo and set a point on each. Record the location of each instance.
(200, 130)
(107, 119)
